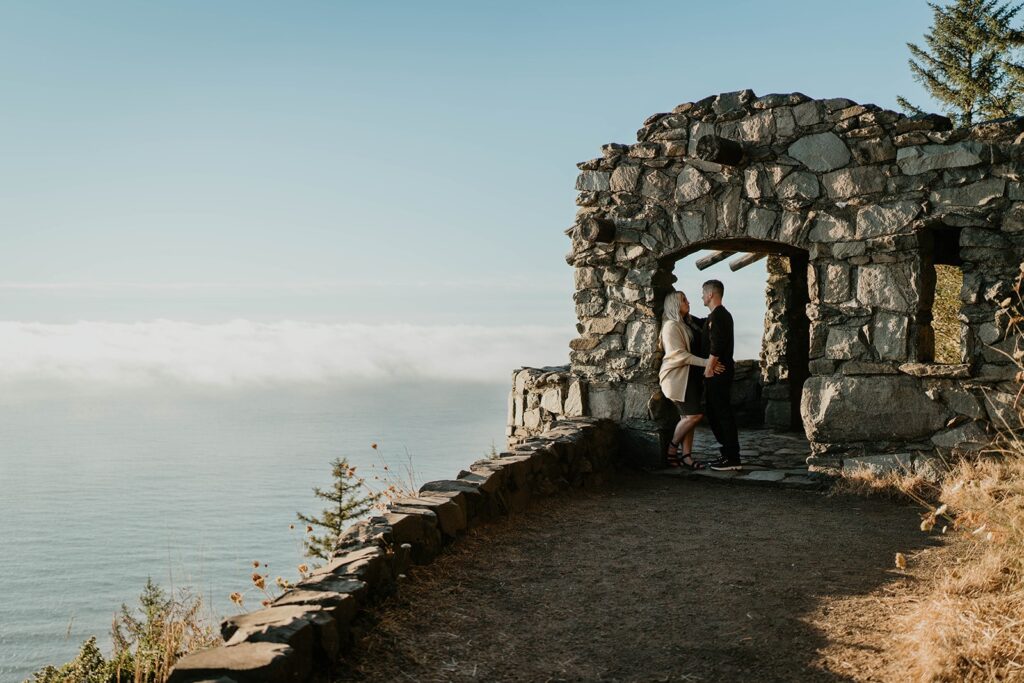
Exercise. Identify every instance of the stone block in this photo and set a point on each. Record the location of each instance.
(606, 401)
(880, 464)
(890, 334)
(761, 223)
(829, 228)
(593, 181)
(886, 219)
(462, 493)
(307, 629)
(335, 585)
(757, 183)
(245, 663)
(341, 607)
(642, 337)
(975, 194)
(821, 152)
(961, 371)
(883, 408)
(657, 185)
(364, 564)
(690, 185)
(688, 226)
(854, 182)
(843, 344)
(637, 400)
(808, 113)
(924, 158)
(1002, 410)
(846, 250)
(586, 278)
(551, 400)
(798, 189)
(963, 402)
(625, 178)
(764, 476)
(892, 286)
(778, 414)
(835, 283)
(451, 517)
(729, 205)
(969, 436)
(574, 401)
(759, 129)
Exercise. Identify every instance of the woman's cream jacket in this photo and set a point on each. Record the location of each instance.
(676, 340)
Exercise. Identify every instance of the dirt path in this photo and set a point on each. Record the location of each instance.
(655, 580)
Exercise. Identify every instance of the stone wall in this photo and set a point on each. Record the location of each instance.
(855, 204)
(301, 635)
(540, 397)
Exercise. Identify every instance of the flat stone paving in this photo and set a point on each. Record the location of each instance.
(769, 458)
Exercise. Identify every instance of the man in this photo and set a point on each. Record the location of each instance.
(718, 339)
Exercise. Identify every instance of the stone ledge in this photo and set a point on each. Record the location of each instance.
(962, 371)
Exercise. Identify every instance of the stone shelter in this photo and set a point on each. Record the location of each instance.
(853, 206)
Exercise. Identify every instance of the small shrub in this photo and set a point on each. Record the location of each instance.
(348, 501)
(146, 645)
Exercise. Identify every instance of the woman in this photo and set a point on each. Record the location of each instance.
(682, 374)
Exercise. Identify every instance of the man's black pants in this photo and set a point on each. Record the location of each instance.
(720, 415)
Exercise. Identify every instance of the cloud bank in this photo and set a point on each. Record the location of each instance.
(243, 352)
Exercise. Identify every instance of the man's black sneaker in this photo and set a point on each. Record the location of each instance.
(724, 465)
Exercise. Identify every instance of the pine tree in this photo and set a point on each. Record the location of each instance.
(969, 61)
(348, 501)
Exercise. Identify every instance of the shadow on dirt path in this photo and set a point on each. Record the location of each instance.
(649, 580)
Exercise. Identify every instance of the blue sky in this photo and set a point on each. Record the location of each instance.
(339, 162)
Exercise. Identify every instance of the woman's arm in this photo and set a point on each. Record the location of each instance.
(677, 349)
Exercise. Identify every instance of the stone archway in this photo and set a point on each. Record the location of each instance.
(867, 194)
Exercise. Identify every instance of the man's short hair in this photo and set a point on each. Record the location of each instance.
(715, 286)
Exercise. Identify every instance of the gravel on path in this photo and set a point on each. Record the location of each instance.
(652, 579)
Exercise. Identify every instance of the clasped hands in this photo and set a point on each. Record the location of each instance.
(714, 368)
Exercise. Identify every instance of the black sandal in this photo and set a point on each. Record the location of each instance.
(672, 458)
(692, 465)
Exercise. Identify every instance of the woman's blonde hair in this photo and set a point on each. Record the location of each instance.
(671, 309)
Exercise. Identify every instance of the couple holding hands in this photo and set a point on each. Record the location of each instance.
(699, 358)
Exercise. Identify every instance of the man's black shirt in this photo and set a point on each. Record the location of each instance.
(717, 335)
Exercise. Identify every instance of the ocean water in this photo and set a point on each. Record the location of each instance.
(101, 489)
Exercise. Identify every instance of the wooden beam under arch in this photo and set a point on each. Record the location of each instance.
(744, 261)
(713, 258)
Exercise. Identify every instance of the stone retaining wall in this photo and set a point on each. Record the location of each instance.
(301, 635)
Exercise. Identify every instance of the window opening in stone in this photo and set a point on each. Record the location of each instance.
(940, 335)
(767, 296)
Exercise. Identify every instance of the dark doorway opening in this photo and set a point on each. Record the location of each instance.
(768, 388)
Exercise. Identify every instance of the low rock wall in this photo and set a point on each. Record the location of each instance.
(540, 397)
(301, 635)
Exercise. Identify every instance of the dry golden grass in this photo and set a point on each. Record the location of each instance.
(970, 624)
(894, 485)
(967, 623)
